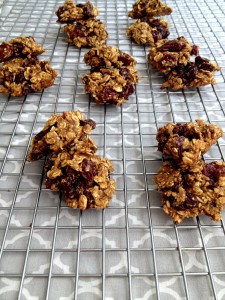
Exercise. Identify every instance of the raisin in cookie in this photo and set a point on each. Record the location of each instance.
(70, 12)
(20, 47)
(110, 85)
(167, 54)
(149, 8)
(186, 142)
(194, 74)
(90, 33)
(191, 192)
(19, 77)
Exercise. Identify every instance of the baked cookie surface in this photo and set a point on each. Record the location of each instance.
(19, 77)
(186, 142)
(20, 47)
(166, 54)
(196, 191)
(110, 85)
(61, 132)
(70, 12)
(108, 56)
(148, 31)
(90, 33)
(194, 74)
(149, 8)
(83, 179)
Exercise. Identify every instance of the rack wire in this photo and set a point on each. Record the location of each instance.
(131, 250)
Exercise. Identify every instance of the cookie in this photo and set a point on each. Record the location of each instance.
(186, 142)
(149, 8)
(193, 74)
(148, 31)
(20, 47)
(110, 85)
(90, 33)
(198, 190)
(70, 12)
(19, 77)
(61, 132)
(108, 56)
(82, 178)
(166, 54)
(71, 166)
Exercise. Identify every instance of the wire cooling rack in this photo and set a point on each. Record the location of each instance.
(131, 250)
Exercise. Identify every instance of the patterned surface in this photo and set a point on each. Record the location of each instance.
(132, 250)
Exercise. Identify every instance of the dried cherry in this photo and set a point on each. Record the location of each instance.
(88, 172)
(4, 49)
(214, 171)
(89, 122)
(87, 10)
(204, 63)
(172, 46)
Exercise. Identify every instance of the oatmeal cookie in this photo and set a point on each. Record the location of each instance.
(84, 179)
(194, 74)
(90, 32)
(148, 31)
(111, 85)
(186, 142)
(20, 47)
(149, 8)
(108, 56)
(70, 12)
(196, 191)
(66, 131)
(19, 76)
(167, 54)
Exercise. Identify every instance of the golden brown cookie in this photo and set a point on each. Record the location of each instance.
(148, 31)
(108, 56)
(84, 179)
(72, 167)
(187, 193)
(186, 142)
(149, 8)
(20, 47)
(19, 77)
(167, 54)
(194, 74)
(90, 33)
(61, 132)
(70, 12)
(110, 85)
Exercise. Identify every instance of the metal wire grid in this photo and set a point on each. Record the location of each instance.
(37, 229)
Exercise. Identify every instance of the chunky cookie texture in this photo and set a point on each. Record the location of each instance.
(19, 76)
(83, 179)
(90, 32)
(70, 12)
(196, 191)
(111, 85)
(194, 74)
(148, 31)
(63, 132)
(72, 167)
(168, 54)
(149, 8)
(108, 56)
(186, 142)
(20, 47)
